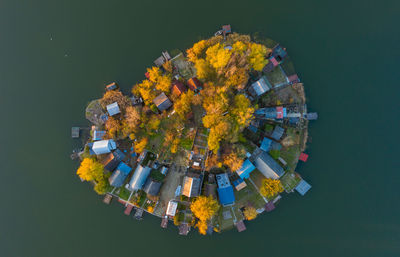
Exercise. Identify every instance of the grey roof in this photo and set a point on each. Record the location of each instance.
(277, 133)
(152, 187)
(113, 109)
(261, 86)
(268, 166)
(162, 102)
(139, 178)
(191, 186)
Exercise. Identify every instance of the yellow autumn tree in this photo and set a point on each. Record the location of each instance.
(218, 56)
(113, 127)
(203, 69)
(197, 50)
(242, 111)
(146, 90)
(239, 47)
(271, 187)
(182, 106)
(175, 145)
(204, 208)
(140, 145)
(161, 82)
(115, 96)
(257, 57)
(90, 169)
(250, 213)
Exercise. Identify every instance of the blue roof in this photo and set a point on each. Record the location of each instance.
(113, 109)
(226, 195)
(278, 133)
(124, 168)
(253, 129)
(303, 187)
(266, 144)
(246, 169)
(238, 182)
(98, 134)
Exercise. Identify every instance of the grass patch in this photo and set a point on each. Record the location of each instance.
(249, 195)
(186, 143)
(157, 175)
(124, 193)
(276, 76)
(290, 180)
(291, 156)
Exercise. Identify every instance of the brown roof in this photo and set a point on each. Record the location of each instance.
(194, 84)
(178, 88)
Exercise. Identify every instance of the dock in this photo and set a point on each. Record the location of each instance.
(75, 132)
(138, 214)
(164, 222)
(184, 229)
(240, 226)
(107, 199)
(128, 209)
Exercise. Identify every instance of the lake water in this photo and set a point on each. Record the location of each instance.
(57, 55)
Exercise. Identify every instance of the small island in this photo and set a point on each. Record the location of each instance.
(210, 139)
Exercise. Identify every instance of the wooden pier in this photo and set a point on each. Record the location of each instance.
(138, 214)
(107, 199)
(75, 132)
(128, 209)
(164, 222)
(240, 226)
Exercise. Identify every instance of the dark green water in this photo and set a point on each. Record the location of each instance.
(347, 54)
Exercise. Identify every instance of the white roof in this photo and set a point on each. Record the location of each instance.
(196, 164)
(113, 109)
(171, 209)
(103, 146)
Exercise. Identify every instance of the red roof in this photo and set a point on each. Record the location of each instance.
(303, 157)
(128, 209)
(279, 112)
(178, 88)
(274, 61)
(226, 28)
(194, 83)
(293, 78)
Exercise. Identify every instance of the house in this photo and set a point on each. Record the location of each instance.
(152, 187)
(266, 144)
(303, 187)
(191, 186)
(226, 29)
(112, 160)
(119, 175)
(293, 79)
(139, 178)
(277, 133)
(171, 209)
(113, 109)
(210, 189)
(281, 112)
(225, 190)
(246, 169)
(98, 135)
(268, 166)
(102, 146)
(194, 84)
(239, 184)
(273, 113)
(162, 102)
(112, 86)
(260, 87)
(178, 88)
(162, 59)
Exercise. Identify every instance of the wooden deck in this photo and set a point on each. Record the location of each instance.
(128, 209)
(240, 226)
(75, 132)
(164, 222)
(107, 199)
(138, 214)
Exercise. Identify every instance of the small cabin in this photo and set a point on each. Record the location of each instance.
(113, 109)
(162, 102)
(112, 86)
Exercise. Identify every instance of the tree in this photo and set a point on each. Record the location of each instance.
(140, 145)
(234, 158)
(203, 69)
(132, 116)
(146, 90)
(101, 185)
(153, 124)
(250, 213)
(113, 127)
(204, 208)
(217, 134)
(175, 145)
(182, 105)
(242, 112)
(257, 57)
(202, 227)
(161, 82)
(239, 47)
(218, 56)
(197, 50)
(271, 187)
(90, 169)
(115, 96)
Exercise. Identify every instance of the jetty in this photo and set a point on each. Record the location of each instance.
(75, 132)
(128, 209)
(164, 222)
(107, 199)
(138, 214)
(240, 226)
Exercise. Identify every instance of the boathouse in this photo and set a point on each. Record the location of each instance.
(113, 109)
(139, 178)
(162, 102)
(102, 146)
(279, 53)
(303, 187)
(268, 166)
(112, 86)
(191, 186)
(225, 190)
(119, 175)
(239, 184)
(246, 169)
(303, 157)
